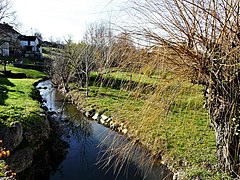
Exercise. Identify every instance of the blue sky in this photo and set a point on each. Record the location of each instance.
(60, 18)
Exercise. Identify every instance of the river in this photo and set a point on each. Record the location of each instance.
(88, 147)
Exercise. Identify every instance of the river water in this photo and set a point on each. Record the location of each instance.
(88, 147)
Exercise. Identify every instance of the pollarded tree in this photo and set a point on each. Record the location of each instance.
(205, 38)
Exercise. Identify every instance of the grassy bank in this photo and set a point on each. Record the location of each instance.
(170, 121)
(16, 102)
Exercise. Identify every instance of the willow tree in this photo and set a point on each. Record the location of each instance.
(204, 35)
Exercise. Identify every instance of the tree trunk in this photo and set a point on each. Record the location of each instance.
(86, 86)
(87, 74)
(224, 115)
(5, 65)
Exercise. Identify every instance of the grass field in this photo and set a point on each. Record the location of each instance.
(170, 121)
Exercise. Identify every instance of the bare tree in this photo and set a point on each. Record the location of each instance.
(64, 65)
(94, 51)
(101, 38)
(80, 59)
(204, 36)
(89, 54)
(6, 12)
(75, 64)
(123, 51)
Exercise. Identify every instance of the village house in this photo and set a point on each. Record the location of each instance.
(30, 46)
(9, 42)
(14, 43)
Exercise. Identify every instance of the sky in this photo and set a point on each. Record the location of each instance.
(60, 18)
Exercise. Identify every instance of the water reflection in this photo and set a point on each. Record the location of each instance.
(79, 135)
(122, 154)
(47, 159)
(94, 152)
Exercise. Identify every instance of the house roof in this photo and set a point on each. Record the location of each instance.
(27, 38)
(6, 28)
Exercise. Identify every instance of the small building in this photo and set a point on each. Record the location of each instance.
(30, 46)
(9, 43)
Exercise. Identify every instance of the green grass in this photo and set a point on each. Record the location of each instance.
(139, 78)
(16, 103)
(29, 72)
(47, 56)
(52, 49)
(51, 52)
(170, 121)
(114, 102)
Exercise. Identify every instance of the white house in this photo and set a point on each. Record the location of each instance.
(31, 46)
(12, 42)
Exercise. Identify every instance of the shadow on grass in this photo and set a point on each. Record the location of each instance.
(9, 74)
(117, 95)
(118, 84)
(4, 82)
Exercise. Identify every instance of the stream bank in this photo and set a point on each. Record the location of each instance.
(64, 144)
(91, 144)
(120, 128)
(26, 141)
